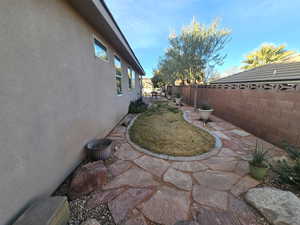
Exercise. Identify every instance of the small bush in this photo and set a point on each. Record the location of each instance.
(293, 151)
(205, 107)
(289, 173)
(137, 106)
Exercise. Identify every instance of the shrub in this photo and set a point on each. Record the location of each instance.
(289, 171)
(173, 109)
(137, 106)
(205, 107)
(292, 150)
(259, 156)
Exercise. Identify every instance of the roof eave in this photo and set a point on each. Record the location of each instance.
(98, 15)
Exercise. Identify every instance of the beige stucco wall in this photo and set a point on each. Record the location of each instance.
(54, 96)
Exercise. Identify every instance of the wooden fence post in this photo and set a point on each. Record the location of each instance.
(195, 98)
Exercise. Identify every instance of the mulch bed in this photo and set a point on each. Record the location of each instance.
(272, 180)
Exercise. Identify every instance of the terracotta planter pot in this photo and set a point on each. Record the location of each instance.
(205, 114)
(258, 173)
(99, 149)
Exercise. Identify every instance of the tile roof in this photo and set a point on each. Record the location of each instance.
(270, 72)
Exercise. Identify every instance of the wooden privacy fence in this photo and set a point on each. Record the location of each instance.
(268, 110)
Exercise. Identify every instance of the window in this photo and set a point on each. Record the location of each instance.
(100, 50)
(133, 79)
(118, 67)
(129, 72)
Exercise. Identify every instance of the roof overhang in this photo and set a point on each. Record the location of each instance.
(98, 15)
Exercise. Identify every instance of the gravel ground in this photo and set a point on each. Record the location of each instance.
(79, 213)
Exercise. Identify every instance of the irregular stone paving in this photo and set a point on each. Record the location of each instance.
(145, 190)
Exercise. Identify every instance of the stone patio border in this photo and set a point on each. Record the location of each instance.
(210, 153)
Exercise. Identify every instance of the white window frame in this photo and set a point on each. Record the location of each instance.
(104, 45)
(117, 75)
(133, 79)
(129, 76)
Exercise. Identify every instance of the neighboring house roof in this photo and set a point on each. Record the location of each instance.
(294, 58)
(98, 15)
(266, 73)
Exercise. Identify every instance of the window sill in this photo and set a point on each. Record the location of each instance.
(103, 60)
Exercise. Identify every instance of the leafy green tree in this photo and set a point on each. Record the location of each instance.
(157, 80)
(196, 48)
(266, 54)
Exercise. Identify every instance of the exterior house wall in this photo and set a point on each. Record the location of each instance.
(55, 95)
(272, 115)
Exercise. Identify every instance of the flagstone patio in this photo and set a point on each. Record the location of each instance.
(145, 190)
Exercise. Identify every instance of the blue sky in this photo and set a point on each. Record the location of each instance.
(147, 24)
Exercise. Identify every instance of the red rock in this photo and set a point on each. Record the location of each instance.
(140, 220)
(134, 177)
(242, 168)
(192, 166)
(209, 197)
(221, 163)
(179, 179)
(244, 185)
(152, 165)
(167, 206)
(227, 152)
(103, 197)
(88, 178)
(119, 167)
(126, 152)
(128, 200)
(242, 210)
(216, 179)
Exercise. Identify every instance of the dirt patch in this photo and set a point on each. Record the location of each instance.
(163, 130)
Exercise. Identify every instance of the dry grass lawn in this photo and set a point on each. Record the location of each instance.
(162, 129)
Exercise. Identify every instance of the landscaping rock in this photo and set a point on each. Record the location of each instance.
(221, 163)
(279, 207)
(210, 197)
(167, 206)
(140, 220)
(119, 167)
(244, 185)
(87, 179)
(155, 166)
(48, 211)
(186, 223)
(244, 211)
(133, 177)
(91, 222)
(127, 201)
(216, 179)
(189, 166)
(101, 197)
(126, 152)
(179, 179)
